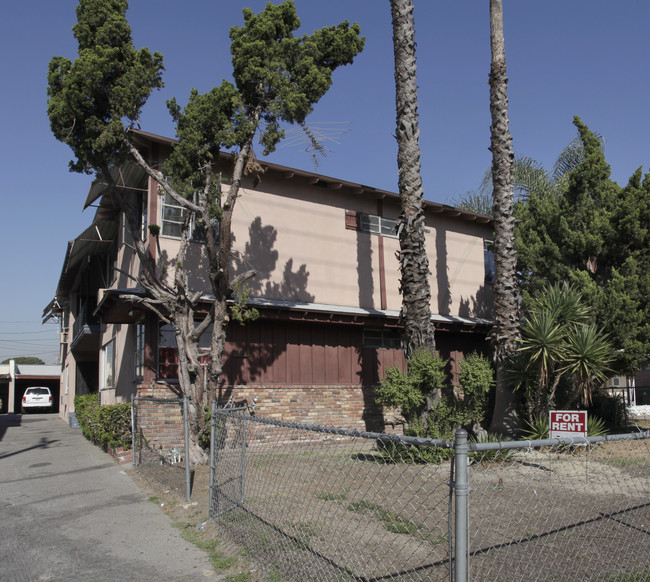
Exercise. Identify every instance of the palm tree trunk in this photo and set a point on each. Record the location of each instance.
(505, 333)
(414, 263)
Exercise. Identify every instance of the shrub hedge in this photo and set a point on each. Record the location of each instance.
(108, 425)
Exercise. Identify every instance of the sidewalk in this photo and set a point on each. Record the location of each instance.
(69, 512)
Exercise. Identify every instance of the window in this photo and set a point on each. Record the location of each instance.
(173, 219)
(615, 382)
(138, 352)
(141, 220)
(377, 225)
(370, 223)
(168, 352)
(488, 260)
(387, 339)
(108, 366)
(143, 216)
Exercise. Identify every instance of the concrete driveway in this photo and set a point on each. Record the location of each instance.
(69, 512)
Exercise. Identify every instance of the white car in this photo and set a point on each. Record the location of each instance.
(37, 397)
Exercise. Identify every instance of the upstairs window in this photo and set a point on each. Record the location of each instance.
(173, 219)
(488, 260)
(141, 220)
(371, 223)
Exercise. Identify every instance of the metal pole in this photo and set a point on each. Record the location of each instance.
(186, 426)
(243, 457)
(461, 488)
(212, 452)
(132, 431)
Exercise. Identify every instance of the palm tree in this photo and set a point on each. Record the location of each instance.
(505, 332)
(414, 263)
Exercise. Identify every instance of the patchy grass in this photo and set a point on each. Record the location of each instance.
(393, 522)
(328, 496)
(637, 577)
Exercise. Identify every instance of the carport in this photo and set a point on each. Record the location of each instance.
(18, 377)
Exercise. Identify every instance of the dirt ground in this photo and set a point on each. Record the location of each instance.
(334, 511)
(166, 486)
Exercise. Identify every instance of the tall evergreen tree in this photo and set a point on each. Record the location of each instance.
(594, 234)
(95, 100)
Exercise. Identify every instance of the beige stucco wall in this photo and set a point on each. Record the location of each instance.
(314, 257)
(293, 234)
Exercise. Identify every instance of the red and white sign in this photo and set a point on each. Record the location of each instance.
(567, 423)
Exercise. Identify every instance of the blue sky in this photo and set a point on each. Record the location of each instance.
(570, 57)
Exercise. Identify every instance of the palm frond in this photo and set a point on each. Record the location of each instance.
(571, 157)
(530, 177)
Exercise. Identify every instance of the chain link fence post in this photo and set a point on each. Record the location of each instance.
(213, 409)
(461, 491)
(186, 429)
(133, 431)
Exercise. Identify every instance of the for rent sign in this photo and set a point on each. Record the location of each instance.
(567, 423)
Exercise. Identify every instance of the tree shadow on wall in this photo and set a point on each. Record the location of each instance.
(260, 256)
(481, 305)
(253, 348)
(195, 256)
(442, 276)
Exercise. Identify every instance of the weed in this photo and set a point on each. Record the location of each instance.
(328, 496)
(436, 540)
(393, 522)
(400, 452)
(636, 577)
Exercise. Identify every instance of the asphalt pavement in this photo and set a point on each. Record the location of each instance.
(69, 512)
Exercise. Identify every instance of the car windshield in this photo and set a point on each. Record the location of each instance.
(38, 391)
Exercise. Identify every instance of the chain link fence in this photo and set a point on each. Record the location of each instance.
(315, 503)
(159, 431)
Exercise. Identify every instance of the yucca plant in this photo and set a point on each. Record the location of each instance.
(536, 429)
(562, 355)
(596, 426)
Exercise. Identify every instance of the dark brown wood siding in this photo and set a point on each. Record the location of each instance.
(301, 353)
(275, 353)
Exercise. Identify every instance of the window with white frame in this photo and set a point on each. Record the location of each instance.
(371, 223)
(377, 225)
(173, 219)
(108, 366)
(138, 352)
